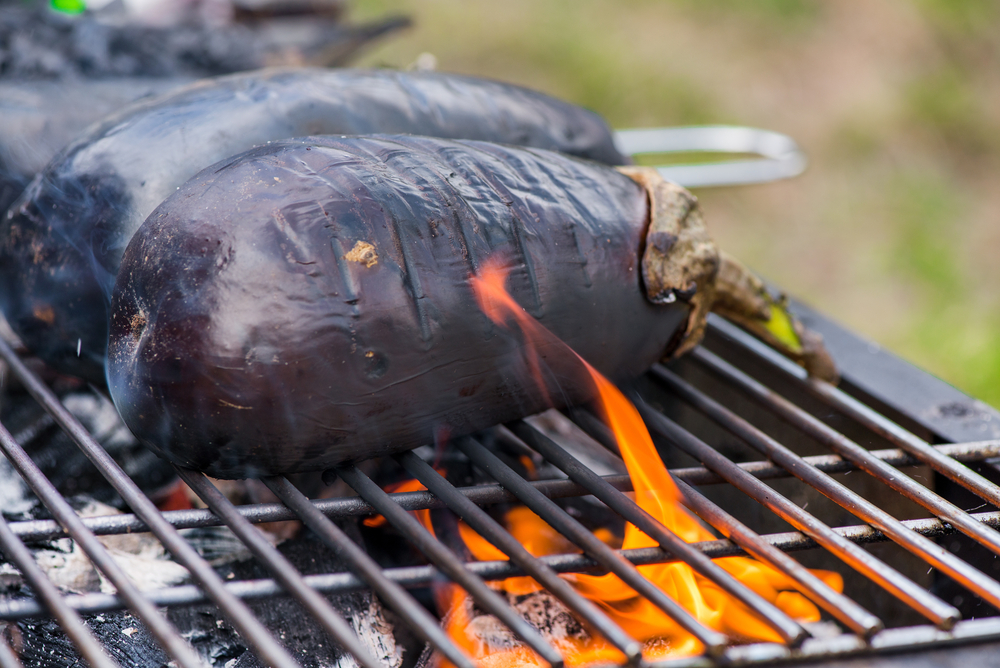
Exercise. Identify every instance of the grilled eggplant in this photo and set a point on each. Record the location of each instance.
(62, 241)
(309, 302)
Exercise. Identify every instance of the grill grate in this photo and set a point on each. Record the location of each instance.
(783, 465)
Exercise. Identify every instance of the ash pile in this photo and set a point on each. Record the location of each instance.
(60, 72)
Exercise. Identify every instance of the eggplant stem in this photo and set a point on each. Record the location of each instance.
(681, 263)
(742, 297)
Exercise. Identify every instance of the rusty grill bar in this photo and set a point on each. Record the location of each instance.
(865, 633)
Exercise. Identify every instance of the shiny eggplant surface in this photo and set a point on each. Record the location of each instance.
(39, 118)
(310, 302)
(62, 241)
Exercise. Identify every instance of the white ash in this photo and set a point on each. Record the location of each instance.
(376, 633)
(140, 556)
(99, 416)
(15, 497)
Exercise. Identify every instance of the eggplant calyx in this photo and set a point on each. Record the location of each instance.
(680, 260)
(681, 263)
(742, 297)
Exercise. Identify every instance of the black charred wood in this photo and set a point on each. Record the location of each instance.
(63, 463)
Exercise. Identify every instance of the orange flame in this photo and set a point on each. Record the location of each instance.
(656, 493)
(411, 485)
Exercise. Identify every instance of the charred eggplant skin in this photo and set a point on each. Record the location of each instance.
(62, 241)
(309, 302)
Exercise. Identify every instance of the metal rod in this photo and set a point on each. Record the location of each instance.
(492, 531)
(888, 578)
(421, 576)
(850, 450)
(282, 569)
(7, 657)
(53, 601)
(842, 608)
(839, 606)
(792, 633)
(561, 521)
(935, 555)
(252, 631)
(368, 571)
(168, 637)
(344, 507)
(918, 448)
(449, 563)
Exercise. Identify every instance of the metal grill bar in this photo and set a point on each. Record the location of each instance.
(839, 606)
(162, 630)
(491, 530)
(256, 635)
(416, 576)
(419, 576)
(879, 424)
(369, 572)
(446, 560)
(487, 494)
(53, 601)
(569, 527)
(631, 512)
(850, 450)
(7, 658)
(868, 565)
(283, 571)
(914, 640)
(933, 554)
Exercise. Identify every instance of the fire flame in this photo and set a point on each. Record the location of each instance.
(411, 485)
(656, 493)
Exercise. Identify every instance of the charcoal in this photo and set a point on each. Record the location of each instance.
(57, 455)
(61, 459)
(140, 556)
(41, 643)
(289, 622)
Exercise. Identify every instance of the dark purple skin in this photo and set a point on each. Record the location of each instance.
(246, 341)
(61, 243)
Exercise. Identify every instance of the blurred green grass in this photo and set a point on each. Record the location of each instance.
(894, 229)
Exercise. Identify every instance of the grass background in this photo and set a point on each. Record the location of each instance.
(894, 230)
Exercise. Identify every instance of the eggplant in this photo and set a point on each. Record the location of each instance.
(309, 302)
(61, 242)
(38, 118)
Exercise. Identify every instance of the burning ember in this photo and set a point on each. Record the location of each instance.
(657, 494)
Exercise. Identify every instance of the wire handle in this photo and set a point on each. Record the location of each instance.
(781, 157)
